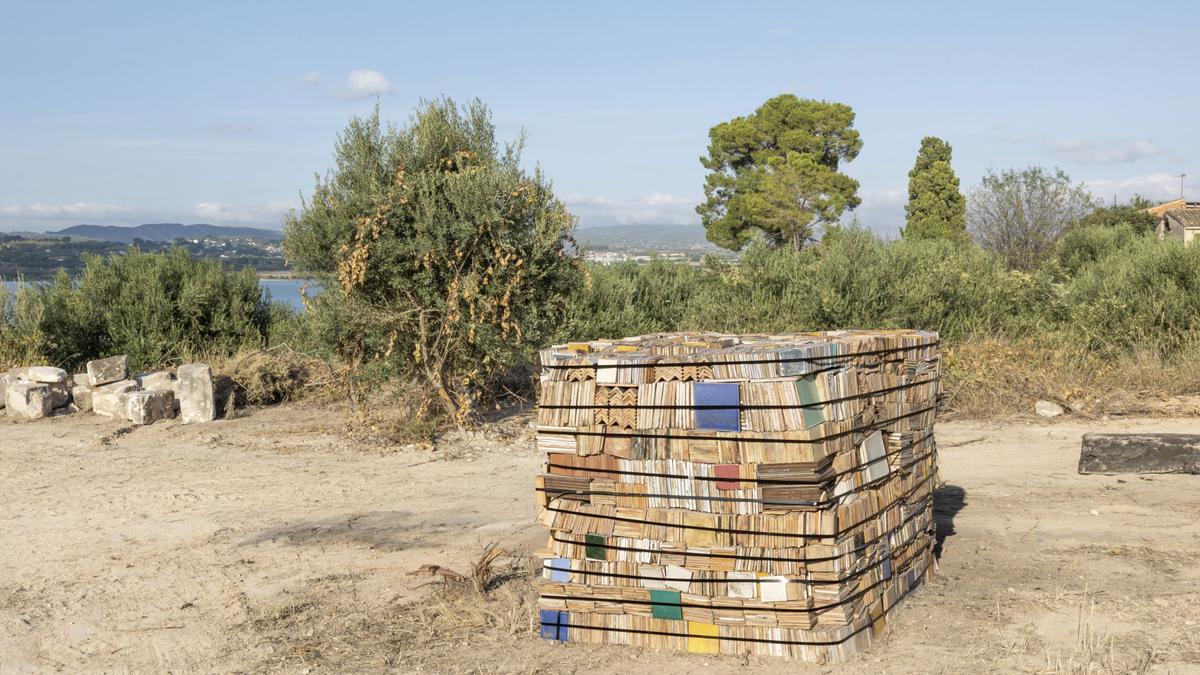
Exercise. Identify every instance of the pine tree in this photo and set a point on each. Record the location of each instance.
(775, 173)
(936, 208)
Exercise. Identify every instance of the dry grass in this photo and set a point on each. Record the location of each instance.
(996, 377)
(467, 623)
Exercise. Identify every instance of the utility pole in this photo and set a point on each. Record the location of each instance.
(1181, 177)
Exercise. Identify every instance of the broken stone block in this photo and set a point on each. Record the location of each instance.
(147, 407)
(163, 380)
(30, 400)
(106, 371)
(60, 394)
(197, 398)
(41, 374)
(81, 394)
(5, 381)
(106, 399)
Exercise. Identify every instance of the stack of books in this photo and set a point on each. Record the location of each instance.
(721, 494)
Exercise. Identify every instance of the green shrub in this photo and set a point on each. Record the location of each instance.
(1145, 293)
(631, 299)
(1083, 245)
(852, 280)
(21, 340)
(156, 308)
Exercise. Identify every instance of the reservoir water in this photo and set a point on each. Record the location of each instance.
(286, 291)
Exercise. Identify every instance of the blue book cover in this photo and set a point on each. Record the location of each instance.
(727, 417)
(560, 569)
(554, 624)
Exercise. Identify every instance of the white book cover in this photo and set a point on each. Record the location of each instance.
(774, 589)
(678, 578)
(743, 589)
(652, 577)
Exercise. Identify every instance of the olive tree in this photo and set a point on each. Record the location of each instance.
(441, 257)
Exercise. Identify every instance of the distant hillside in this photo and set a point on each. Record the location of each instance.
(645, 237)
(163, 232)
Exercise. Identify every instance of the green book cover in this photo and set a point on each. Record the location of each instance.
(594, 547)
(806, 388)
(665, 605)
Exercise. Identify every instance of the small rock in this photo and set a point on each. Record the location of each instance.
(147, 407)
(1048, 409)
(107, 371)
(1094, 512)
(30, 400)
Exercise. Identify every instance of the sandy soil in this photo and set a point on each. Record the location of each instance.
(271, 542)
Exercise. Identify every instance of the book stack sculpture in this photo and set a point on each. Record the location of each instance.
(732, 494)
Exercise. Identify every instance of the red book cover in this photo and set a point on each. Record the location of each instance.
(730, 475)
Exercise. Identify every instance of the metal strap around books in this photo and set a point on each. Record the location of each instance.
(874, 426)
(757, 558)
(801, 643)
(738, 406)
(743, 500)
(748, 362)
(716, 479)
(786, 610)
(793, 535)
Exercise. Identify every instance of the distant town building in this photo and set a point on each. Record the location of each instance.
(1178, 219)
(606, 257)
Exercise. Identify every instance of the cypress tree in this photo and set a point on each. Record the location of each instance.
(936, 208)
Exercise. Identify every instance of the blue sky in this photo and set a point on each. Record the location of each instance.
(123, 113)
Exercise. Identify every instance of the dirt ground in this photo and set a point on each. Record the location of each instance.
(272, 542)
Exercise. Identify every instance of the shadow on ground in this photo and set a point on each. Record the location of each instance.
(948, 500)
(384, 530)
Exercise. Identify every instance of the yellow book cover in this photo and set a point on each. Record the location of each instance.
(702, 638)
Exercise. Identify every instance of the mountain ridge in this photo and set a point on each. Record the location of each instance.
(125, 234)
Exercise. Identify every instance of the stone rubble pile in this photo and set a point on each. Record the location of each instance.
(106, 388)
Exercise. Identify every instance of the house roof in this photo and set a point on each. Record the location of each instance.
(1188, 217)
(1162, 209)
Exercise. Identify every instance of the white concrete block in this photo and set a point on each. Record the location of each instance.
(197, 397)
(106, 371)
(106, 399)
(30, 400)
(147, 407)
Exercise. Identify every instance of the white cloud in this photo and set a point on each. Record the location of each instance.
(653, 209)
(364, 84)
(232, 129)
(1085, 151)
(220, 213)
(312, 78)
(1153, 186)
(50, 212)
(881, 211)
(41, 217)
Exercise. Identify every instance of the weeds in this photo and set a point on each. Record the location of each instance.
(490, 610)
